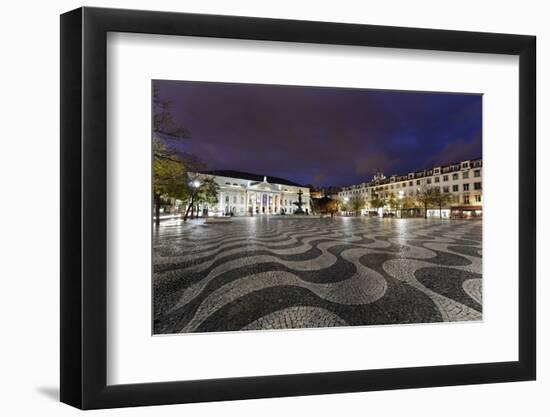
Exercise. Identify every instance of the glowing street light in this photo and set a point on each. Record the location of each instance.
(195, 184)
(400, 196)
(346, 202)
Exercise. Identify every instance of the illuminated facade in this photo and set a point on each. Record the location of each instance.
(462, 180)
(245, 194)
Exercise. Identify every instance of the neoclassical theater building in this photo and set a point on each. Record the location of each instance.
(246, 194)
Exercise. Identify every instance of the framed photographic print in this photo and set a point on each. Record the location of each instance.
(257, 208)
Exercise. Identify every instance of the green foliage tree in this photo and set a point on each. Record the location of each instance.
(169, 175)
(324, 205)
(200, 190)
(408, 203)
(393, 203)
(377, 202)
(332, 207)
(344, 205)
(171, 167)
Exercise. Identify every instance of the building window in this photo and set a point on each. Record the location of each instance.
(234, 199)
(465, 175)
(477, 186)
(404, 184)
(478, 198)
(446, 189)
(445, 178)
(455, 188)
(477, 173)
(466, 187)
(465, 165)
(429, 180)
(410, 183)
(417, 182)
(455, 177)
(466, 199)
(436, 171)
(436, 179)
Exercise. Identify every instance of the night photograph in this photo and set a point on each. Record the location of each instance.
(288, 207)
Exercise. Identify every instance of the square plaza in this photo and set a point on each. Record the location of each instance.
(281, 272)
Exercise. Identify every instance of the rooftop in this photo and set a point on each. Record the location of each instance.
(252, 177)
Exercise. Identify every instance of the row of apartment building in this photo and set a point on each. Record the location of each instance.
(463, 180)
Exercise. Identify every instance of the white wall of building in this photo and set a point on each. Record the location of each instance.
(462, 180)
(242, 197)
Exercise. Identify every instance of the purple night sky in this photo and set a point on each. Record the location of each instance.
(323, 136)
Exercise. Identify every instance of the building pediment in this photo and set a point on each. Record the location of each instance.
(264, 186)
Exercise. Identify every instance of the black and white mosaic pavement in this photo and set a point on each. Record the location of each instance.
(283, 272)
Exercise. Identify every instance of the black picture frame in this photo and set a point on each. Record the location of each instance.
(84, 207)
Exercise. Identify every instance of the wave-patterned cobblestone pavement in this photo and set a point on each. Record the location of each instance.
(283, 272)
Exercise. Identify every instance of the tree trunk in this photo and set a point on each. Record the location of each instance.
(425, 210)
(440, 210)
(191, 204)
(156, 197)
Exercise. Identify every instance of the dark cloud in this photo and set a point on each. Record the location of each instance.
(323, 136)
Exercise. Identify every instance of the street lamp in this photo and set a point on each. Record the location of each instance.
(195, 184)
(346, 204)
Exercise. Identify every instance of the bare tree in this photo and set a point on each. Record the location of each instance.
(441, 199)
(377, 202)
(357, 204)
(426, 198)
